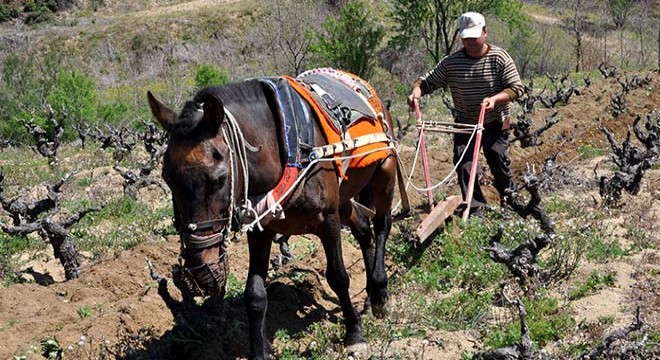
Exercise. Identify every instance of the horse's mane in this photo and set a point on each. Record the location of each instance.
(239, 92)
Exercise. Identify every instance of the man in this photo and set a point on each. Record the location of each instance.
(477, 74)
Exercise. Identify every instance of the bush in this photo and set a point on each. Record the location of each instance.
(73, 97)
(210, 75)
(6, 13)
(114, 112)
(350, 40)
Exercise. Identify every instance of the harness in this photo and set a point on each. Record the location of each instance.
(295, 102)
(210, 278)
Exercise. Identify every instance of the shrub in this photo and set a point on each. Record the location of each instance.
(114, 112)
(73, 97)
(210, 75)
(5, 13)
(350, 40)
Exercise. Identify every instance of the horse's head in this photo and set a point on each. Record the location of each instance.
(199, 170)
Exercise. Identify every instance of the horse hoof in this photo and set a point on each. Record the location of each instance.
(358, 350)
(380, 310)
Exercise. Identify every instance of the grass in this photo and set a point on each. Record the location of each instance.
(595, 282)
(546, 319)
(234, 288)
(85, 312)
(450, 262)
(133, 223)
(587, 152)
(601, 250)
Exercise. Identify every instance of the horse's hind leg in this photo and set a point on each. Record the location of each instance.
(377, 184)
(337, 278)
(381, 188)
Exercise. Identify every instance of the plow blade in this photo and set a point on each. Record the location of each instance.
(437, 217)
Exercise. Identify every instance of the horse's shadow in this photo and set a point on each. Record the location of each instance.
(218, 328)
(43, 279)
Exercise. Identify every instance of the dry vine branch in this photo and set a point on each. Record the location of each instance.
(46, 145)
(134, 182)
(530, 182)
(522, 130)
(154, 138)
(521, 351)
(23, 211)
(520, 261)
(122, 140)
(606, 70)
(606, 343)
(631, 161)
(56, 233)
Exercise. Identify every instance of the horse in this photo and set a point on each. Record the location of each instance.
(224, 152)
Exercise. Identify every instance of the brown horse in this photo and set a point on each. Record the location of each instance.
(224, 152)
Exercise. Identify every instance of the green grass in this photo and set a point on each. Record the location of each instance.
(9, 264)
(85, 312)
(234, 287)
(587, 152)
(602, 250)
(557, 204)
(460, 311)
(547, 322)
(133, 222)
(595, 282)
(462, 263)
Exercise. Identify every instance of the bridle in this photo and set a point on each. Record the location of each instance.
(210, 278)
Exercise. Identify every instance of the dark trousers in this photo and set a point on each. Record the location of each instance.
(495, 145)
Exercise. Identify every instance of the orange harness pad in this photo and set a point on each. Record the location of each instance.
(363, 126)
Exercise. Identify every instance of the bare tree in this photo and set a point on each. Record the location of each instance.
(578, 36)
(284, 31)
(619, 10)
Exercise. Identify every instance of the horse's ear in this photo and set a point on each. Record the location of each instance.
(165, 116)
(214, 111)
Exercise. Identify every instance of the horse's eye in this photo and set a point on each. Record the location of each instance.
(216, 155)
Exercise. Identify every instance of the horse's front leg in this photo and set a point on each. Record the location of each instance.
(379, 293)
(339, 281)
(256, 300)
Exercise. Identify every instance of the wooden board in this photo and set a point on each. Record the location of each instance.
(437, 217)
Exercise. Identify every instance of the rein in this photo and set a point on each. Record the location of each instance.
(238, 153)
(210, 278)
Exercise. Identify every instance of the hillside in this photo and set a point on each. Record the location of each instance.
(445, 294)
(128, 320)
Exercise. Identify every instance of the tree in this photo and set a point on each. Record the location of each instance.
(578, 36)
(434, 22)
(619, 10)
(289, 23)
(350, 40)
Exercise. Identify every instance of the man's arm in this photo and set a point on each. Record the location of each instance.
(513, 86)
(415, 92)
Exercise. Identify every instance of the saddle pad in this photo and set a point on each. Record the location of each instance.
(362, 126)
(350, 100)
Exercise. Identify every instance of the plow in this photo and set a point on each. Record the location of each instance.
(441, 210)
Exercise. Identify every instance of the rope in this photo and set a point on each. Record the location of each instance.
(301, 176)
(238, 154)
(412, 170)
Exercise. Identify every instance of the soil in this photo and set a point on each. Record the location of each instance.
(114, 310)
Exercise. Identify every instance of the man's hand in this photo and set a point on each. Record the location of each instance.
(489, 102)
(415, 94)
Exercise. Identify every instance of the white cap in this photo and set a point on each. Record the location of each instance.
(471, 25)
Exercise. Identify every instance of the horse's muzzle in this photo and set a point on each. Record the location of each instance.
(208, 279)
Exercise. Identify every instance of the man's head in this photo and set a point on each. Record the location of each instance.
(471, 25)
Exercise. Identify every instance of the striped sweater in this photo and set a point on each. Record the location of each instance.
(470, 80)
